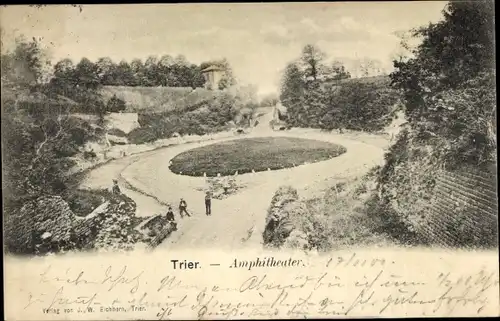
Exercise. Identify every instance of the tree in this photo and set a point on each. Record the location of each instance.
(139, 72)
(313, 107)
(151, 70)
(64, 76)
(292, 90)
(196, 78)
(181, 61)
(166, 71)
(26, 65)
(64, 68)
(86, 73)
(452, 51)
(125, 74)
(105, 71)
(337, 71)
(166, 61)
(312, 63)
(227, 79)
(450, 69)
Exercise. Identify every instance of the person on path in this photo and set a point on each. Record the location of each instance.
(208, 203)
(171, 218)
(183, 208)
(170, 215)
(116, 188)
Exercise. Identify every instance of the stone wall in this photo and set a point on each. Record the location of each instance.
(47, 224)
(47, 219)
(463, 210)
(161, 236)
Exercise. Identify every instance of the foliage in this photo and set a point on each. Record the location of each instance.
(205, 117)
(335, 221)
(39, 134)
(312, 63)
(37, 147)
(449, 84)
(165, 71)
(142, 135)
(278, 226)
(292, 90)
(26, 65)
(449, 101)
(115, 105)
(83, 202)
(317, 95)
(359, 107)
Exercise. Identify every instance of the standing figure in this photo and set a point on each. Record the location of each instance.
(208, 203)
(183, 208)
(171, 218)
(116, 188)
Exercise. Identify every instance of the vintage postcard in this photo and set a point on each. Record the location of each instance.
(249, 161)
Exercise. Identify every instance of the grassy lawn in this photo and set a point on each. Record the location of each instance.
(259, 154)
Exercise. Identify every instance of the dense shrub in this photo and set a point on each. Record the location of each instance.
(202, 118)
(83, 202)
(278, 220)
(351, 105)
(142, 135)
(333, 222)
(115, 105)
(37, 150)
(360, 106)
(449, 101)
(89, 154)
(320, 96)
(40, 137)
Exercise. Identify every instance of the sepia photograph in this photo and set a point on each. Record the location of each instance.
(144, 134)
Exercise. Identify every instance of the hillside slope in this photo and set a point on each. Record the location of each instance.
(157, 99)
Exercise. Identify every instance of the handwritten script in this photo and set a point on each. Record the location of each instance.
(347, 285)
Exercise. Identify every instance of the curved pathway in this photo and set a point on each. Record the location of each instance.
(237, 221)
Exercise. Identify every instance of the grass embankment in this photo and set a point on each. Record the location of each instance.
(258, 154)
(338, 220)
(157, 99)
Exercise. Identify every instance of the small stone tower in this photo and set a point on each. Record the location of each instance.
(213, 75)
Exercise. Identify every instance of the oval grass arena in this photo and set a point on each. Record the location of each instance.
(258, 154)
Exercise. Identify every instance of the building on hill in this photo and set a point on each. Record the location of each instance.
(213, 74)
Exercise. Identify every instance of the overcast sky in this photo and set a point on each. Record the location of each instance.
(257, 39)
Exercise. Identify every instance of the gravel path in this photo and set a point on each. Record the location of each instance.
(237, 221)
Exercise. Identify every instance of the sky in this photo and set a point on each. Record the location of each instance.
(257, 39)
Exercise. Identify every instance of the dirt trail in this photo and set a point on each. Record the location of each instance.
(237, 221)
